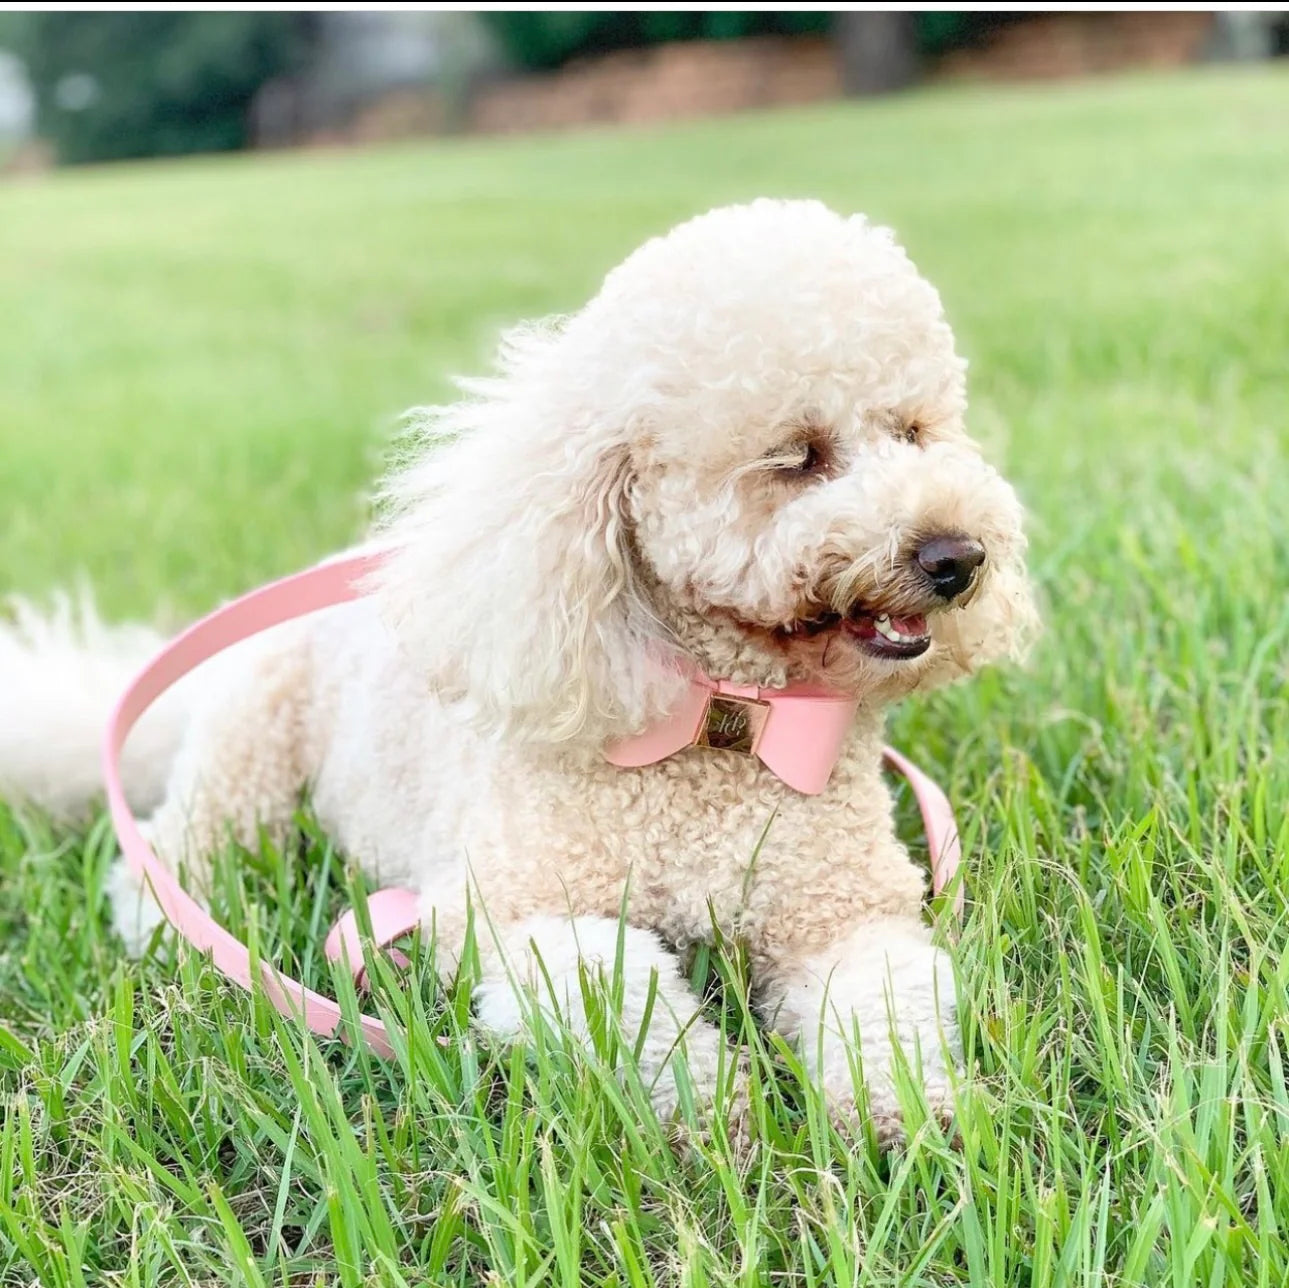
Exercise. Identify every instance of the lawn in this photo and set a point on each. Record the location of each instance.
(202, 366)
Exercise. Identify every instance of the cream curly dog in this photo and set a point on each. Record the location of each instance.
(746, 453)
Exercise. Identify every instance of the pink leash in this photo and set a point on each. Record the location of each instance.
(394, 913)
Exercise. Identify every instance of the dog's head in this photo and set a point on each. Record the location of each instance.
(748, 448)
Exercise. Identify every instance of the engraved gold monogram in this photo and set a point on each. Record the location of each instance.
(732, 724)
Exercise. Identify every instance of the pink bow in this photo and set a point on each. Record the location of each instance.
(797, 732)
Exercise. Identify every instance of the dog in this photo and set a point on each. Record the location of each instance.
(745, 457)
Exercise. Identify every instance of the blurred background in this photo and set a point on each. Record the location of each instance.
(82, 87)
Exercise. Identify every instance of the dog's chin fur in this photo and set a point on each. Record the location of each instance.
(759, 414)
(728, 647)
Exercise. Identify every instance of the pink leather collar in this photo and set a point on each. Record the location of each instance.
(797, 732)
(804, 744)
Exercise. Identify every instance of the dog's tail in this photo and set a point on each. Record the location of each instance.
(61, 672)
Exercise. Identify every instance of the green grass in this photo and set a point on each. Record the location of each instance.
(200, 369)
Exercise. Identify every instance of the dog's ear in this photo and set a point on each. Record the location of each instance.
(511, 586)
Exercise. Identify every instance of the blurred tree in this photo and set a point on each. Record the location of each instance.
(111, 85)
(939, 31)
(538, 41)
(878, 50)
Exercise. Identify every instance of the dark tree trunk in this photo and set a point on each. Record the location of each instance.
(878, 50)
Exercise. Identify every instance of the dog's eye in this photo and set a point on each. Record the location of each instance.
(811, 460)
(910, 432)
(807, 457)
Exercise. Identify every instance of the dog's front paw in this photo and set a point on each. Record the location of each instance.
(715, 1100)
(880, 1111)
(717, 1111)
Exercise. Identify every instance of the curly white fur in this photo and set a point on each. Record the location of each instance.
(753, 425)
(547, 965)
(60, 672)
(886, 989)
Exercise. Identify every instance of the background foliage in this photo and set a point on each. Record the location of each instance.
(539, 40)
(160, 83)
(544, 40)
(115, 85)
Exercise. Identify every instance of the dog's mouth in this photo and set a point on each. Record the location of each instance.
(884, 635)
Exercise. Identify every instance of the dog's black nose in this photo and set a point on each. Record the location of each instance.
(950, 563)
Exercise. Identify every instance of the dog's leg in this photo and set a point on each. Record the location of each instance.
(240, 770)
(887, 983)
(541, 962)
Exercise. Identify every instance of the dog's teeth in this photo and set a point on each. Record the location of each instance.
(887, 631)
